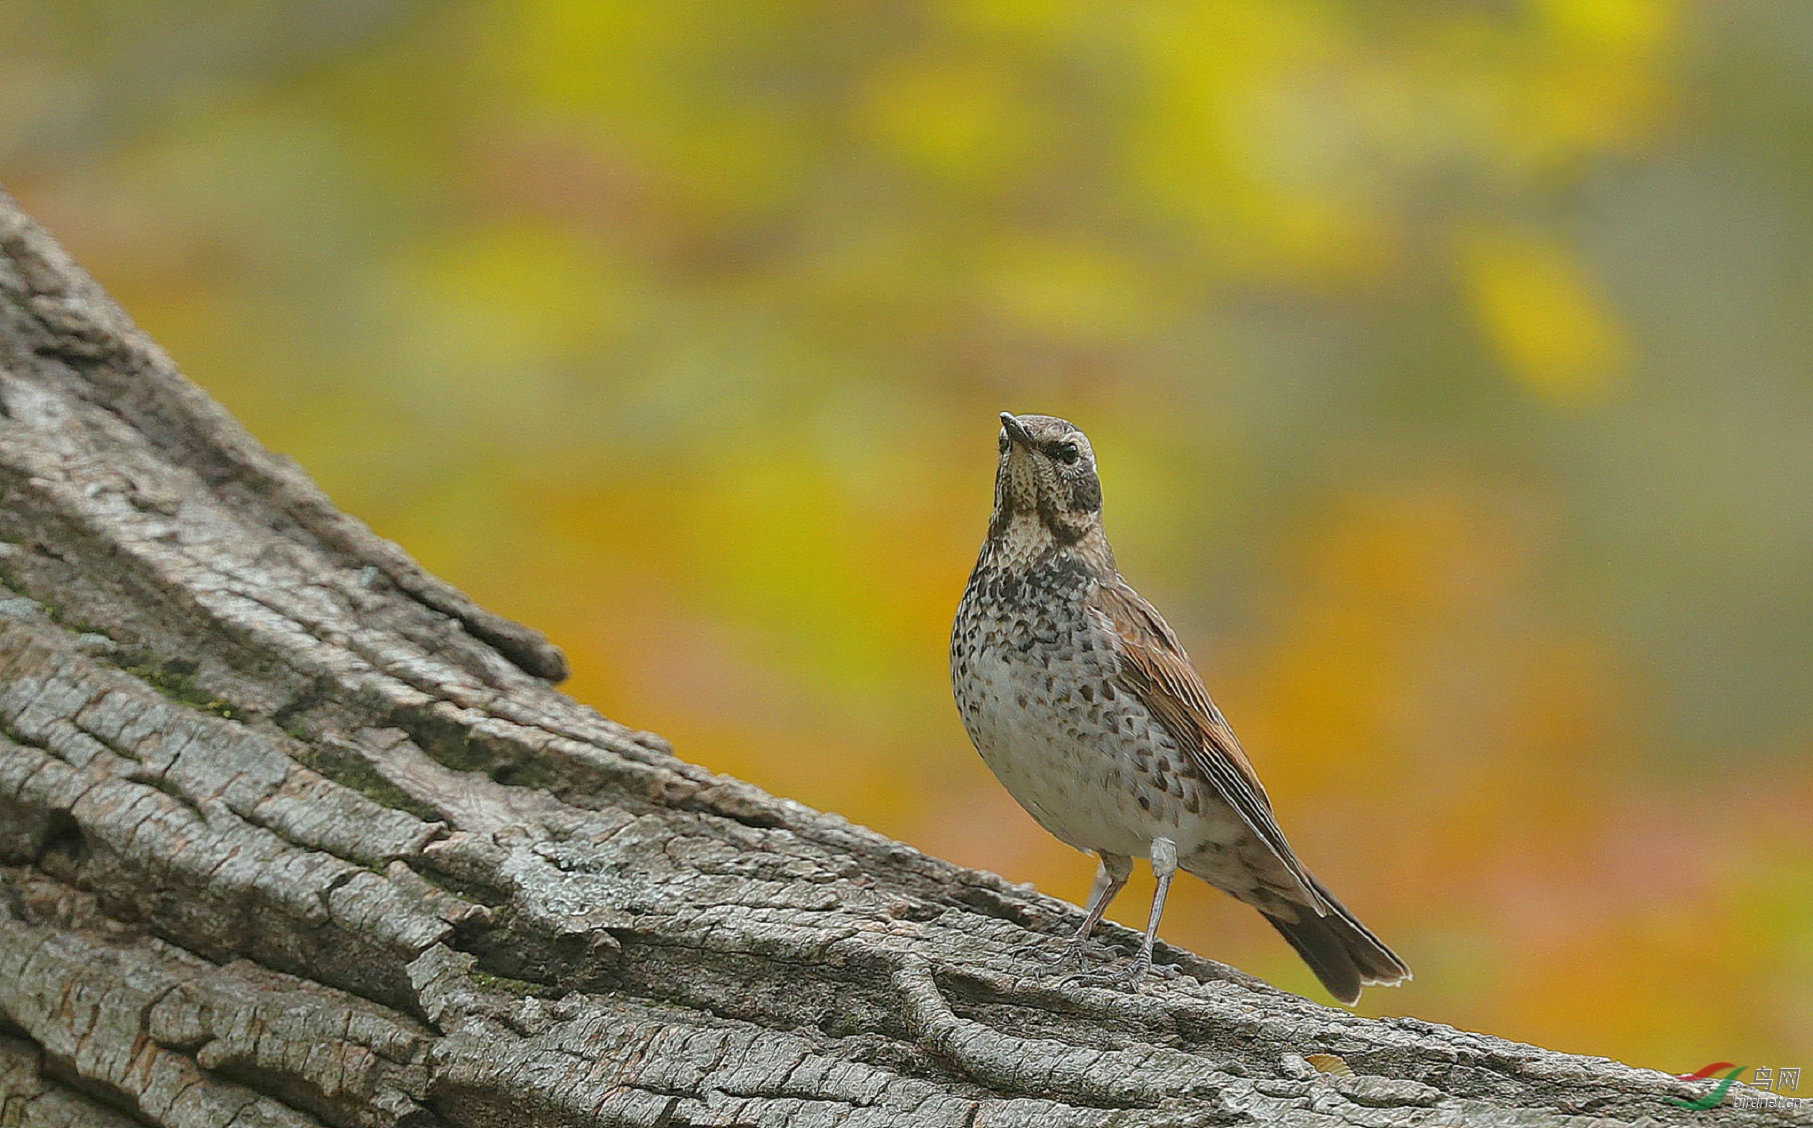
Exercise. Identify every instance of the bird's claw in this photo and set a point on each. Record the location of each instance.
(1127, 980)
(1071, 956)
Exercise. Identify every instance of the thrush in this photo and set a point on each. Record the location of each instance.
(1083, 703)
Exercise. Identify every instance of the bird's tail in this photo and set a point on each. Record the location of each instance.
(1342, 952)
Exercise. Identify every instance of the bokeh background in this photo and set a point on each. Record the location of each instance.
(1450, 366)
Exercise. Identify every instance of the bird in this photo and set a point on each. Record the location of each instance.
(1080, 699)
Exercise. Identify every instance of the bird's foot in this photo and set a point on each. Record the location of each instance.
(1070, 958)
(1126, 979)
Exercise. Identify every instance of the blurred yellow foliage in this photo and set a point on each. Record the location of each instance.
(1547, 323)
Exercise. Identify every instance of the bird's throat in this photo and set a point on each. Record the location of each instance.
(1023, 541)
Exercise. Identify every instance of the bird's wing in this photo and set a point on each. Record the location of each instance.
(1156, 670)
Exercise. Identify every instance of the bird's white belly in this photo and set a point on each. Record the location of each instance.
(1059, 760)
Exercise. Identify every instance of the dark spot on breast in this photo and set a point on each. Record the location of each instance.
(1145, 804)
(1088, 692)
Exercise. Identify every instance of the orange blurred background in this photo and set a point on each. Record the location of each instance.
(1447, 363)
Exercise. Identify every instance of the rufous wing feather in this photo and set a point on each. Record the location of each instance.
(1155, 668)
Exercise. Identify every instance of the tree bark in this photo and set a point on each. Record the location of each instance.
(292, 833)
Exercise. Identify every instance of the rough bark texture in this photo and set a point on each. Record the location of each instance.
(292, 833)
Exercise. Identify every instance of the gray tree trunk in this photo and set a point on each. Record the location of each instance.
(292, 833)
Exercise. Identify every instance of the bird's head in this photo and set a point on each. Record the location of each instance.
(1046, 491)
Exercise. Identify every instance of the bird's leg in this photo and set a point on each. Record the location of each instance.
(1110, 878)
(1164, 865)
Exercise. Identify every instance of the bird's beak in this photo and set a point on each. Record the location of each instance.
(1020, 435)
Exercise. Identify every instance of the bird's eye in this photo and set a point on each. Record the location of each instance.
(1067, 453)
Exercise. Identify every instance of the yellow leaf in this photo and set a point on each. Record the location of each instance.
(1543, 316)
